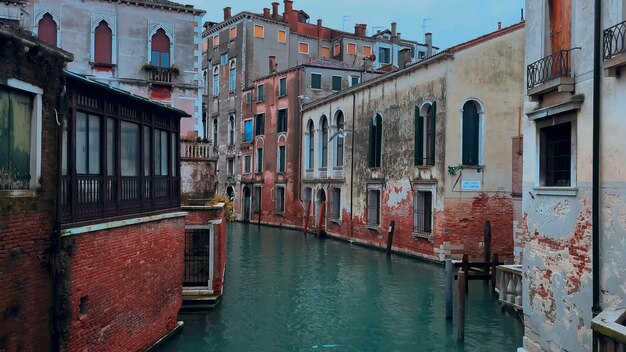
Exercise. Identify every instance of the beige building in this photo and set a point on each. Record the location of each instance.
(428, 147)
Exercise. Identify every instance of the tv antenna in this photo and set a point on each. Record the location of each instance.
(345, 19)
(424, 20)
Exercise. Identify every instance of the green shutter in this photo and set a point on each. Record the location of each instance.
(433, 133)
(379, 140)
(419, 137)
(371, 144)
(470, 134)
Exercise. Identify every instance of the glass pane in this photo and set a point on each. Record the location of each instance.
(157, 152)
(154, 60)
(146, 151)
(173, 153)
(94, 145)
(165, 59)
(130, 149)
(111, 155)
(81, 143)
(163, 150)
(4, 135)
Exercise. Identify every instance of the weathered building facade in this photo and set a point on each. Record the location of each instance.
(573, 196)
(150, 48)
(389, 43)
(428, 147)
(271, 140)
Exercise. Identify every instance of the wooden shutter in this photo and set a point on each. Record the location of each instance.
(433, 122)
(470, 134)
(419, 137)
(103, 38)
(371, 145)
(325, 52)
(367, 50)
(379, 139)
(47, 30)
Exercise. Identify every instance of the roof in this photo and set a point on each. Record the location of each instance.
(323, 62)
(164, 4)
(29, 40)
(120, 92)
(442, 55)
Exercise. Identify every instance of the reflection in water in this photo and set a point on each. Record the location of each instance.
(287, 292)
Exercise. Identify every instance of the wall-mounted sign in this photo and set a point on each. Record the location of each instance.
(470, 185)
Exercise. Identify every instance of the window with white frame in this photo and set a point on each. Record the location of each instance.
(247, 164)
(231, 130)
(216, 80)
(422, 212)
(316, 81)
(373, 205)
(230, 166)
(471, 133)
(281, 158)
(232, 75)
(259, 160)
(224, 59)
(336, 83)
(282, 87)
(335, 203)
(279, 199)
(556, 157)
(384, 55)
(354, 80)
(425, 124)
(260, 92)
(20, 136)
(303, 48)
(339, 139)
(324, 142)
(282, 120)
(310, 144)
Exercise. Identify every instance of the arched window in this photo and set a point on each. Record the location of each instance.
(232, 76)
(47, 29)
(216, 80)
(160, 55)
(425, 134)
(215, 132)
(324, 142)
(103, 44)
(231, 130)
(311, 145)
(375, 141)
(339, 139)
(471, 133)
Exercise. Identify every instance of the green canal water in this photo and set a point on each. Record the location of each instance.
(287, 292)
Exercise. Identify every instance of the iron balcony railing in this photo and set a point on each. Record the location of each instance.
(247, 137)
(558, 64)
(614, 40)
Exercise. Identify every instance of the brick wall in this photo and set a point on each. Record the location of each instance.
(26, 223)
(131, 279)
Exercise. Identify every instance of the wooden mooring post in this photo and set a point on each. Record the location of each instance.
(448, 287)
(306, 220)
(321, 222)
(487, 244)
(460, 311)
(465, 267)
(392, 227)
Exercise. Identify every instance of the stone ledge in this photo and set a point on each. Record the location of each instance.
(121, 223)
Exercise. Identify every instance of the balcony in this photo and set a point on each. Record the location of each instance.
(552, 73)
(247, 137)
(196, 151)
(614, 48)
(610, 326)
(161, 75)
(509, 285)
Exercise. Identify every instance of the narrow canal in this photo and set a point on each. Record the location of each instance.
(287, 292)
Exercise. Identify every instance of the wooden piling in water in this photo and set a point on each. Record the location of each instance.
(494, 264)
(448, 287)
(487, 244)
(306, 220)
(392, 227)
(465, 267)
(460, 316)
(321, 222)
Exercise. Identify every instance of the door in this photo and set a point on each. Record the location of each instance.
(246, 204)
(560, 33)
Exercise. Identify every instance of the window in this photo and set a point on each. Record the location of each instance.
(111, 147)
(215, 132)
(351, 49)
(160, 55)
(233, 33)
(339, 139)
(279, 199)
(259, 125)
(260, 92)
(412, 52)
(47, 29)
(146, 150)
(316, 81)
(373, 207)
(130, 148)
(230, 166)
(232, 76)
(259, 160)
(367, 50)
(247, 131)
(310, 145)
(224, 59)
(425, 134)
(216, 80)
(87, 144)
(231, 130)
(556, 155)
(259, 31)
(336, 49)
(375, 141)
(256, 200)
(281, 158)
(282, 120)
(354, 80)
(335, 203)
(384, 56)
(303, 48)
(247, 164)
(161, 164)
(336, 83)
(325, 52)
(471, 131)
(282, 87)
(324, 143)
(216, 41)
(307, 196)
(103, 44)
(422, 212)
(248, 97)
(282, 36)
(18, 126)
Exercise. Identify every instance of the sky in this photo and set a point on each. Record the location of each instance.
(451, 21)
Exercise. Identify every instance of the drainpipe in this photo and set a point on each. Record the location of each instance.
(595, 207)
(352, 167)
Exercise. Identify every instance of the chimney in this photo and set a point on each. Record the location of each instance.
(288, 6)
(499, 25)
(319, 28)
(275, 10)
(227, 13)
(393, 29)
(404, 58)
(428, 38)
(398, 35)
(360, 29)
(266, 12)
(272, 64)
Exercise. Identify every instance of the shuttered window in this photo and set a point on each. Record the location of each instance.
(373, 207)
(425, 124)
(339, 140)
(282, 120)
(16, 109)
(160, 55)
(259, 125)
(336, 49)
(375, 141)
(324, 137)
(351, 48)
(471, 125)
(259, 160)
(281, 158)
(325, 52)
(103, 41)
(316, 81)
(335, 203)
(259, 31)
(311, 146)
(304, 48)
(47, 30)
(233, 33)
(279, 199)
(282, 36)
(367, 50)
(336, 83)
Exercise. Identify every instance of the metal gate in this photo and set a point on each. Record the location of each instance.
(198, 258)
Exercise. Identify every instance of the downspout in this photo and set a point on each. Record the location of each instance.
(595, 207)
(352, 167)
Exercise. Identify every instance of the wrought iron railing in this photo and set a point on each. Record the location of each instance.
(555, 65)
(247, 137)
(614, 40)
(197, 257)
